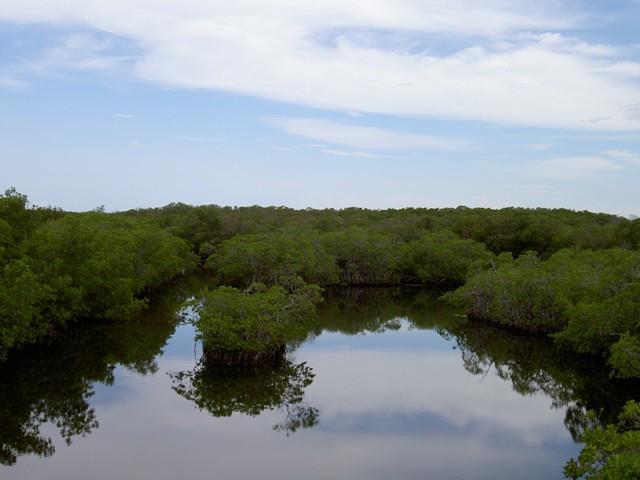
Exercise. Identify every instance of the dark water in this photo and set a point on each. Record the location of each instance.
(390, 385)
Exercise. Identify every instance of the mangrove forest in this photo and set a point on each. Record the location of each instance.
(546, 301)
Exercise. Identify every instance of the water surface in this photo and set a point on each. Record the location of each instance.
(389, 384)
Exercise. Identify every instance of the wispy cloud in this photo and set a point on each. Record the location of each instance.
(570, 168)
(626, 156)
(122, 115)
(362, 137)
(10, 81)
(85, 52)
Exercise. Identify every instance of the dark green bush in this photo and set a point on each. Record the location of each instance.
(259, 319)
(611, 453)
(440, 258)
(267, 258)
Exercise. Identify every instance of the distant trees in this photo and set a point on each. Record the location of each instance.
(353, 256)
(364, 256)
(441, 258)
(268, 258)
(198, 226)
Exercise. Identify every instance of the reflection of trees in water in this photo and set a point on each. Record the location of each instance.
(353, 311)
(530, 364)
(52, 383)
(576, 383)
(222, 391)
(36, 390)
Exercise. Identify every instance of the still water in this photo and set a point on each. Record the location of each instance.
(391, 384)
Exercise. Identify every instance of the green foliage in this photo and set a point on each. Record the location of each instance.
(259, 319)
(98, 265)
(22, 218)
(629, 233)
(268, 258)
(14, 213)
(518, 230)
(599, 320)
(57, 267)
(625, 355)
(364, 257)
(6, 241)
(440, 258)
(591, 299)
(21, 299)
(532, 294)
(198, 226)
(517, 294)
(610, 453)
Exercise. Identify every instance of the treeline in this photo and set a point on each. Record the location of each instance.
(514, 230)
(539, 270)
(575, 275)
(379, 247)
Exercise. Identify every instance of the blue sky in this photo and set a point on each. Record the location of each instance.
(322, 104)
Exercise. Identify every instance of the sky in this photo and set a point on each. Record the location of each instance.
(324, 103)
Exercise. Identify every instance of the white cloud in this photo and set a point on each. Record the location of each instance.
(122, 115)
(332, 54)
(361, 137)
(79, 52)
(562, 43)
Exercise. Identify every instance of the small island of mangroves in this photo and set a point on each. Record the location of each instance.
(310, 339)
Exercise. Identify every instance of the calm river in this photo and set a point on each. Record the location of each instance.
(391, 384)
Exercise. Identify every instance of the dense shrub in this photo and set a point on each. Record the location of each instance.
(244, 326)
(611, 453)
(267, 258)
(21, 300)
(364, 257)
(101, 266)
(590, 299)
(57, 267)
(440, 258)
